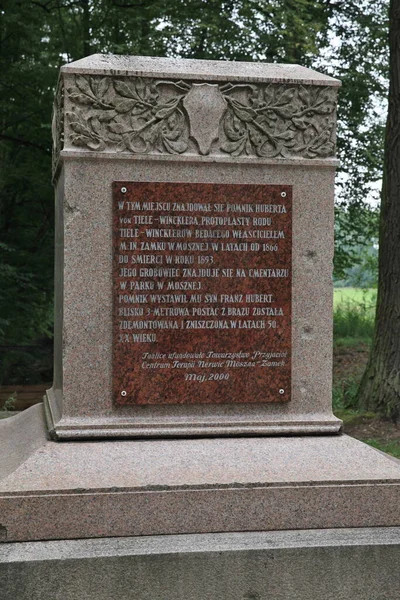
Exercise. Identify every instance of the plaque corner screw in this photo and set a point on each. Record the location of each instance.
(281, 391)
(123, 393)
(283, 194)
(123, 190)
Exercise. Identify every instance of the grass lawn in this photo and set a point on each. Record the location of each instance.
(353, 316)
(354, 296)
(354, 311)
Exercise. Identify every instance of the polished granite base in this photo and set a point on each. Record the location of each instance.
(66, 490)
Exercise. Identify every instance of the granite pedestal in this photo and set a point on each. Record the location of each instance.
(124, 122)
(134, 488)
(107, 493)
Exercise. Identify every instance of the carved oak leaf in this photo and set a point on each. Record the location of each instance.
(300, 123)
(235, 148)
(285, 135)
(83, 133)
(123, 106)
(236, 134)
(83, 84)
(324, 99)
(166, 110)
(285, 97)
(102, 86)
(321, 144)
(172, 133)
(304, 95)
(233, 127)
(269, 94)
(88, 91)
(174, 147)
(118, 128)
(105, 116)
(80, 98)
(126, 88)
(309, 135)
(244, 113)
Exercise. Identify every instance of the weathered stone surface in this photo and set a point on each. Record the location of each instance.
(263, 116)
(320, 565)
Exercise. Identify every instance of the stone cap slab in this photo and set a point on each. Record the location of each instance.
(215, 70)
(190, 544)
(324, 564)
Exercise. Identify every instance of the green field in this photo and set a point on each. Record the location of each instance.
(353, 315)
(348, 296)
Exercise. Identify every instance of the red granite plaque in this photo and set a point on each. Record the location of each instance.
(202, 293)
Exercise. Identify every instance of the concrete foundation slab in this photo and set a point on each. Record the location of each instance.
(361, 564)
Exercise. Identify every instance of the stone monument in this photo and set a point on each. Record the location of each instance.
(192, 387)
(195, 205)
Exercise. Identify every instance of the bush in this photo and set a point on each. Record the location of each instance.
(26, 364)
(344, 395)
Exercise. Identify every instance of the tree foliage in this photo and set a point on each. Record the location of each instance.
(38, 36)
(358, 56)
(356, 230)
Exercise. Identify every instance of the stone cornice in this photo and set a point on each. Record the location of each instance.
(137, 115)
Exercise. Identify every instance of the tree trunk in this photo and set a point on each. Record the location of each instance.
(380, 386)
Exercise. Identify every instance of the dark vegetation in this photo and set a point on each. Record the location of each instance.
(346, 39)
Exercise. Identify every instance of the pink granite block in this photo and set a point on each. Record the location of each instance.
(125, 488)
(206, 126)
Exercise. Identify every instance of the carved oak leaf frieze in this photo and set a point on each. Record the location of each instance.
(143, 115)
(278, 120)
(130, 114)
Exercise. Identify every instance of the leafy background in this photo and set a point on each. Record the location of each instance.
(345, 39)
